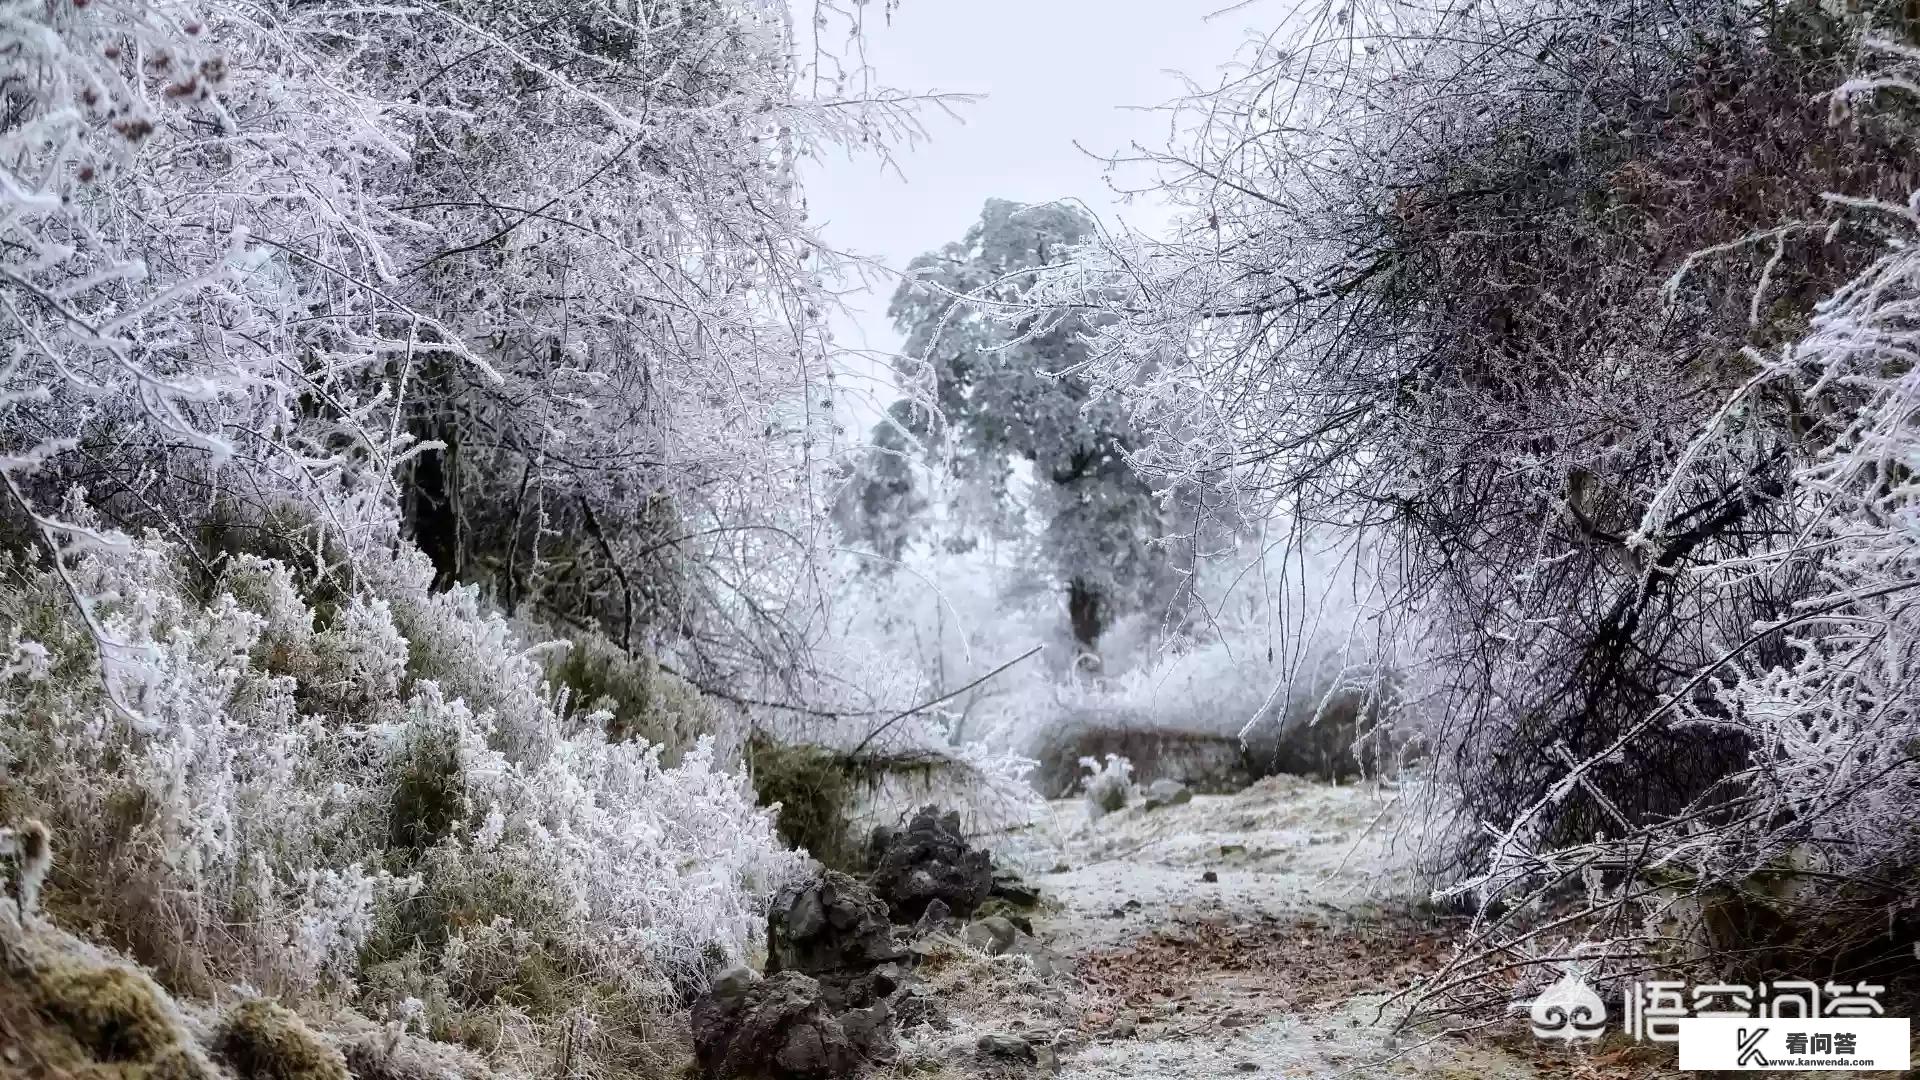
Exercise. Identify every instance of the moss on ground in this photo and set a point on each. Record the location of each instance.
(1014, 913)
(264, 1041)
(816, 789)
(65, 1011)
(815, 795)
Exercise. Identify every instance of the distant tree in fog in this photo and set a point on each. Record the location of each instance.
(999, 393)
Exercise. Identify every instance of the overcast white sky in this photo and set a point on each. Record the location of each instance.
(1052, 72)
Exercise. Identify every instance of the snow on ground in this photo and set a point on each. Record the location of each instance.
(1284, 845)
(1278, 967)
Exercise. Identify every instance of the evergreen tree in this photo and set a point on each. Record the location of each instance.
(1005, 393)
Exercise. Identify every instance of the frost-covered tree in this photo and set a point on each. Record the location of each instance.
(610, 207)
(1008, 391)
(327, 331)
(1570, 307)
(880, 508)
(531, 288)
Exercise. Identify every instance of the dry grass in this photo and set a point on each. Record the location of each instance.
(1247, 967)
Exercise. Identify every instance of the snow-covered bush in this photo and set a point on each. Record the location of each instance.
(1106, 786)
(297, 796)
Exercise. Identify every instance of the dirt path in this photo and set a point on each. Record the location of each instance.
(1277, 966)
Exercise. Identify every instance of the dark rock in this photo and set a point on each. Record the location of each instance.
(1209, 877)
(775, 1029)
(1008, 1047)
(823, 1010)
(1008, 887)
(926, 861)
(935, 916)
(870, 1030)
(879, 842)
(889, 977)
(1060, 868)
(1247, 1066)
(916, 1006)
(832, 928)
(734, 982)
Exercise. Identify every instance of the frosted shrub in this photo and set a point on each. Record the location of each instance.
(1107, 787)
(245, 269)
(634, 695)
(216, 820)
(1799, 856)
(293, 797)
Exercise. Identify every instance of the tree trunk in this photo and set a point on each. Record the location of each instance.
(431, 517)
(1086, 611)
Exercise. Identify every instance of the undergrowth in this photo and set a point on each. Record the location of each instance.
(632, 696)
(391, 806)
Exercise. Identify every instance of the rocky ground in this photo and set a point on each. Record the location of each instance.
(1252, 934)
(1261, 933)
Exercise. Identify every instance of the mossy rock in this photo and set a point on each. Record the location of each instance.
(65, 1011)
(816, 788)
(113, 1012)
(815, 795)
(1008, 910)
(264, 1041)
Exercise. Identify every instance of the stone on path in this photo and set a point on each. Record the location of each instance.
(1166, 792)
(992, 935)
(771, 1029)
(1009, 1047)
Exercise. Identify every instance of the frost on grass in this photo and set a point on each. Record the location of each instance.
(381, 801)
(981, 994)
